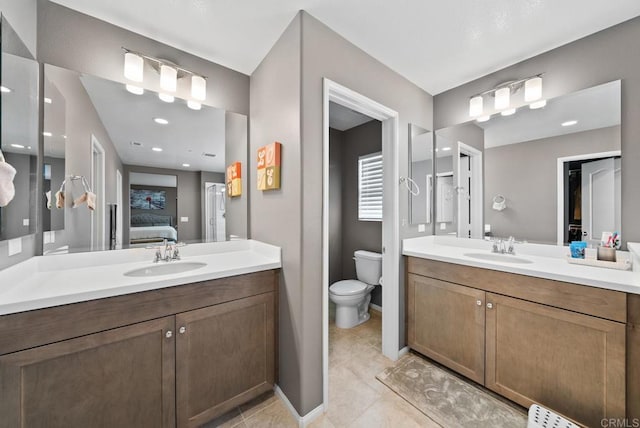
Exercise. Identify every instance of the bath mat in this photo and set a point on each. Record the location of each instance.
(447, 399)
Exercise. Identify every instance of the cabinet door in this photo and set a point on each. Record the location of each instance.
(117, 378)
(225, 357)
(569, 362)
(446, 323)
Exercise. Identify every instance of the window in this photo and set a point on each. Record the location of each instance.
(370, 187)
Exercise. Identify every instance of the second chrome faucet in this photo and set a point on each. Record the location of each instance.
(503, 246)
(171, 252)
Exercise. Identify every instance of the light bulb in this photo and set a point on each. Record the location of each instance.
(198, 88)
(166, 97)
(194, 105)
(538, 104)
(137, 90)
(168, 78)
(502, 98)
(508, 112)
(133, 67)
(475, 106)
(484, 118)
(533, 89)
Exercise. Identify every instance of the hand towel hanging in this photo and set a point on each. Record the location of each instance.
(7, 189)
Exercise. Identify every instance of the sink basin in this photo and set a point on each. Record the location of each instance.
(166, 269)
(493, 257)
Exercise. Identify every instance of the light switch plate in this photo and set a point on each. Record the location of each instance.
(184, 219)
(421, 228)
(15, 246)
(46, 236)
(25, 222)
(443, 226)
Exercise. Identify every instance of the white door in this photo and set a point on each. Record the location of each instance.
(98, 216)
(598, 199)
(120, 209)
(464, 197)
(215, 223)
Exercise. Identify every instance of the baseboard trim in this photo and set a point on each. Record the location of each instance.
(404, 351)
(305, 420)
(376, 307)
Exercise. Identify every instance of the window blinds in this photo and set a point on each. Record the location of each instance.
(370, 187)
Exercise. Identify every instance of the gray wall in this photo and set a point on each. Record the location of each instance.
(236, 148)
(593, 60)
(72, 40)
(189, 197)
(81, 122)
(22, 15)
(290, 77)
(356, 234)
(526, 175)
(335, 205)
(276, 215)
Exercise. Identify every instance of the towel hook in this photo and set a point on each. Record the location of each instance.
(406, 181)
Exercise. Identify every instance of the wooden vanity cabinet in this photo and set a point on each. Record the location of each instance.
(203, 349)
(557, 344)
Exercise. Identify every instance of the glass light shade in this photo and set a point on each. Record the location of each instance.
(533, 89)
(483, 118)
(166, 97)
(168, 78)
(538, 104)
(508, 112)
(135, 89)
(502, 98)
(475, 106)
(133, 67)
(194, 105)
(198, 88)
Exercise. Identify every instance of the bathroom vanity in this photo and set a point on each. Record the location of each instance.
(537, 331)
(179, 350)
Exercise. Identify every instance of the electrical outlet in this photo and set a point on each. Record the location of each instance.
(25, 222)
(421, 228)
(46, 236)
(184, 219)
(443, 226)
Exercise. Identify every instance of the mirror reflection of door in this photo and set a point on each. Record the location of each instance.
(599, 205)
(215, 212)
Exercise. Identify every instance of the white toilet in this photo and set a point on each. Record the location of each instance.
(352, 296)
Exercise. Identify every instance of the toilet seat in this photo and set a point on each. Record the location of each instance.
(348, 287)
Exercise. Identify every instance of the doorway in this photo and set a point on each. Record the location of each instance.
(469, 189)
(214, 212)
(98, 223)
(334, 92)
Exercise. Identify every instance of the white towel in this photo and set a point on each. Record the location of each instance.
(47, 194)
(7, 189)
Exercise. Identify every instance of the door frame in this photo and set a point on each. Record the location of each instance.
(475, 159)
(119, 213)
(560, 185)
(346, 97)
(99, 214)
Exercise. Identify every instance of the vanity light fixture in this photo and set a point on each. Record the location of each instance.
(136, 90)
(156, 149)
(502, 97)
(4, 89)
(170, 73)
(160, 121)
(569, 123)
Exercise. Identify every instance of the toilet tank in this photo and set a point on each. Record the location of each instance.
(368, 266)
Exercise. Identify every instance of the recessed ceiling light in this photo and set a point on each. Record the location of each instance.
(18, 146)
(508, 112)
(4, 89)
(136, 90)
(47, 134)
(28, 147)
(446, 149)
(166, 97)
(569, 123)
(160, 121)
(156, 149)
(194, 105)
(47, 100)
(483, 118)
(186, 165)
(538, 104)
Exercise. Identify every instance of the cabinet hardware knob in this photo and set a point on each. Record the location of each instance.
(168, 334)
(489, 305)
(182, 330)
(479, 302)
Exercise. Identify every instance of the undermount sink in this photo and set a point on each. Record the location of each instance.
(165, 269)
(493, 257)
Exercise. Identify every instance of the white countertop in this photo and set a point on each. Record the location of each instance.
(46, 281)
(547, 261)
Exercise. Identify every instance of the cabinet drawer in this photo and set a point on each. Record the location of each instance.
(594, 301)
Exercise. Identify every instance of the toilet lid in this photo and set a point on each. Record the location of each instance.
(348, 287)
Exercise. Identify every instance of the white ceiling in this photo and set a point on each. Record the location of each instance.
(437, 45)
(129, 117)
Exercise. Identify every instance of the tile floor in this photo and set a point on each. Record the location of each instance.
(356, 397)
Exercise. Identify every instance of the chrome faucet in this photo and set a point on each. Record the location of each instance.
(502, 246)
(170, 252)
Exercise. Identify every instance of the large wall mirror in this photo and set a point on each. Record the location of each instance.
(549, 175)
(19, 132)
(153, 170)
